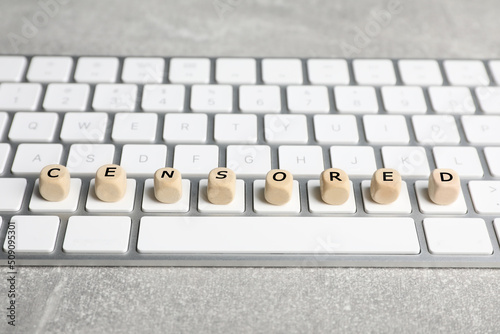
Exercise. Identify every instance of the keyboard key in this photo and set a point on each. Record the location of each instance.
(85, 159)
(236, 71)
(4, 155)
(163, 98)
(282, 71)
(386, 129)
(20, 96)
(50, 69)
(235, 128)
(34, 234)
(482, 129)
(317, 205)
(12, 193)
(304, 235)
(134, 128)
(492, 155)
(126, 204)
(262, 206)
(451, 100)
(404, 100)
(464, 160)
(489, 99)
(189, 70)
(436, 129)
(485, 196)
(407, 160)
(31, 158)
(12, 68)
(301, 160)
(236, 206)
(308, 99)
(374, 72)
(87, 127)
(260, 99)
(328, 71)
(151, 204)
(4, 117)
(420, 72)
(66, 97)
(196, 160)
(143, 160)
(69, 204)
(249, 160)
(143, 70)
(336, 129)
(458, 207)
(285, 129)
(466, 72)
(97, 234)
(356, 161)
(212, 98)
(495, 70)
(453, 236)
(97, 69)
(185, 128)
(356, 99)
(33, 127)
(115, 97)
(401, 205)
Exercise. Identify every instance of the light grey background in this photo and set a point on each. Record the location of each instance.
(245, 300)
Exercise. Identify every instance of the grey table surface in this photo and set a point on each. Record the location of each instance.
(248, 300)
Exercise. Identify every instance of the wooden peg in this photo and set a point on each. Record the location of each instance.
(110, 183)
(279, 187)
(385, 186)
(54, 183)
(221, 186)
(444, 186)
(334, 186)
(168, 185)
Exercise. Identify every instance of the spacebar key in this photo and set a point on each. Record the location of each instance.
(307, 235)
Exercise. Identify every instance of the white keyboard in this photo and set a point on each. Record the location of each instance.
(251, 116)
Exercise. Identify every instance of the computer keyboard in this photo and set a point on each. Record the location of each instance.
(151, 161)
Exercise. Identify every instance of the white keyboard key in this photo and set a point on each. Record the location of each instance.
(328, 71)
(143, 70)
(212, 98)
(235, 128)
(20, 96)
(196, 160)
(85, 159)
(126, 204)
(464, 160)
(482, 129)
(489, 99)
(301, 160)
(278, 235)
(163, 98)
(249, 160)
(185, 128)
(356, 161)
(492, 155)
(4, 117)
(356, 99)
(33, 127)
(115, 97)
(66, 97)
(189, 70)
(317, 205)
(466, 72)
(459, 207)
(12, 68)
(50, 69)
(495, 70)
(420, 72)
(282, 71)
(386, 129)
(151, 204)
(143, 160)
(97, 69)
(134, 127)
(34, 234)
(236, 206)
(374, 72)
(236, 71)
(308, 99)
(31, 158)
(12, 193)
(453, 236)
(285, 129)
(451, 100)
(436, 129)
(260, 99)
(400, 206)
(407, 160)
(88, 127)
(261, 206)
(485, 196)
(97, 234)
(404, 100)
(4, 155)
(69, 204)
(336, 129)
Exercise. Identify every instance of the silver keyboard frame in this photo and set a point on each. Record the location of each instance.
(133, 258)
